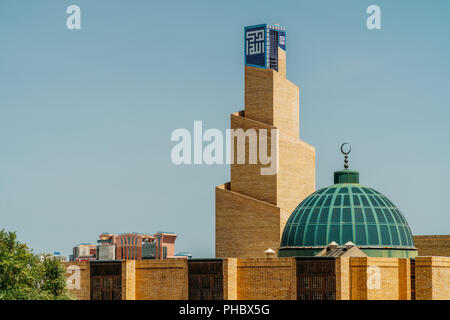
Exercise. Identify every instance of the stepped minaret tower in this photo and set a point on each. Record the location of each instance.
(252, 209)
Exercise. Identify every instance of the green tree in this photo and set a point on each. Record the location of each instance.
(24, 276)
(54, 280)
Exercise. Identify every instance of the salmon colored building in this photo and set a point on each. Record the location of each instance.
(129, 246)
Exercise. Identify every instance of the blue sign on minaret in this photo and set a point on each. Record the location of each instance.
(262, 43)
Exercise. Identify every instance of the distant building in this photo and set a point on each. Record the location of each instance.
(165, 244)
(84, 252)
(148, 249)
(106, 252)
(136, 246)
(55, 255)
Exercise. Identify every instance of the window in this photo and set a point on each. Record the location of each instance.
(343, 190)
(384, 232)
(403, 236)
(310, 231)
(304, 216)
(346, 200)
(337, 201)
(324, 215)
(369, 215)
(321, 234)
(320, 202)
(296, 238)
(347, 215)
(373, 235)
(395, 237)
(347, 233)
(396, 216)
(336, 216)
(367, 190)
(365, 201)
(375, 201)
(335, 233)
(314, 217)
(361, 237)
(380, 216)
(389, 216)
(356, 190)
(312, 202)
(359, 217)
(298, 215)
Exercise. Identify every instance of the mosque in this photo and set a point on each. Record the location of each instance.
(254, 211)
(277, 236)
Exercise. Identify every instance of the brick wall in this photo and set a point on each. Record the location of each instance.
(275, 278)
(378, 279)
(266, 279)
(432, 278)
(162, 279)
(433, 245)
(245, 227)
(78, 279)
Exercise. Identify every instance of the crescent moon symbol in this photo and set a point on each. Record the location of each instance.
(342, 148)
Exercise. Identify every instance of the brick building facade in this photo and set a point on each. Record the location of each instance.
(342, 278)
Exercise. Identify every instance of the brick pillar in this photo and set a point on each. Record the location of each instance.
(129, 280)
(404, 274)
(230, 279)
(358, 278)
(343, 278)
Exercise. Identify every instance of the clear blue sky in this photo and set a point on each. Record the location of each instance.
(86, 116)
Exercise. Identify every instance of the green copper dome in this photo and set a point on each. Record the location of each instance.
(347, 211)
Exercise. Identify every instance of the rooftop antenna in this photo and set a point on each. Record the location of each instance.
(346, 148)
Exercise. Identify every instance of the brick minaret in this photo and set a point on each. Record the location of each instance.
(252, 209)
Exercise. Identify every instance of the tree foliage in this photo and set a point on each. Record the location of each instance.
(25, 276)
